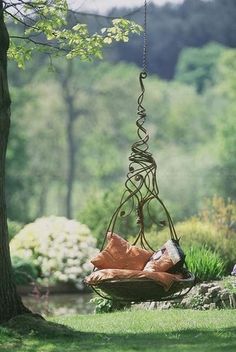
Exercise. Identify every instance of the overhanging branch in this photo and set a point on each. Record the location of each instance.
(52, 46)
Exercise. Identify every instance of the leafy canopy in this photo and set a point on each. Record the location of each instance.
(48, 26)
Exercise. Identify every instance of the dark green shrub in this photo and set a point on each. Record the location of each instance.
(13, 228)
(24, 271)
(191, 232)
(99, 210)
(222, 214)
(205, 263)
(103, 305)
(196, 232)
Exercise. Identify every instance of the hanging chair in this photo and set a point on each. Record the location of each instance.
(143, 290)
(141, 192)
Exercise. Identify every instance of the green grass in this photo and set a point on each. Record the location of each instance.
(159, 330)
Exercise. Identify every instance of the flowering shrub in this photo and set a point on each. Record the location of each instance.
(59, 247)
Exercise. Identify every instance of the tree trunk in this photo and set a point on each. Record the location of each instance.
(71, 151)
(71, 159)
(10, 302)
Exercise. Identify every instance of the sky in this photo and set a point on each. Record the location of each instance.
(102, 6)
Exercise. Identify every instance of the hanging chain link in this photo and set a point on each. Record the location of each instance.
(145, 38)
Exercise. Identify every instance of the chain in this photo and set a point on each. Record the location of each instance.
(145, 38)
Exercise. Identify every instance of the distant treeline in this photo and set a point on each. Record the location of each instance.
(191, 121)
(172, 28)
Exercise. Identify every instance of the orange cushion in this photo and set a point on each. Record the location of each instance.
(169, 257)
(162, 264)
(165, 279)
(119, 254)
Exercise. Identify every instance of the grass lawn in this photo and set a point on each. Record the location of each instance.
(164, 331)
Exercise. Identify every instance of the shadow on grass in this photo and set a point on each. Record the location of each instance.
(49, 336)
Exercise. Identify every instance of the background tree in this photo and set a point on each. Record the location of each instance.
(70, 88)
(19, 183)
(181, 123)
(226, 131)
(173, 27)
(72, 113)
(199, 67)
(47, 21)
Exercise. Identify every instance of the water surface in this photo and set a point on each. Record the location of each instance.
(59, 304)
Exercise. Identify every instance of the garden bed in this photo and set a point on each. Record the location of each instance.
(207, 295)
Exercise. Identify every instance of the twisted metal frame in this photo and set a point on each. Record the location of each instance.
(141, 184)
(141, 188)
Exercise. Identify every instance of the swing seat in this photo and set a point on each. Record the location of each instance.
(129, 273)
(144, 290)
(139, 286)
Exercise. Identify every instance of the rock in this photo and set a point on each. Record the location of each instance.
(212, 306)
(203, 288)
(213, 291)
(153, 305)
(203, 297)
(224, 295)
(232, 300)
(167, 305)
(206, 300)
(185, 303)
(216, 299)
(206, 306)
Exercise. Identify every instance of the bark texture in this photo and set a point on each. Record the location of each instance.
(10, 302)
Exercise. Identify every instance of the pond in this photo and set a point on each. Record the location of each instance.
(60, 304)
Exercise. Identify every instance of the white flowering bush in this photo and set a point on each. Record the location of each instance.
(59, 247)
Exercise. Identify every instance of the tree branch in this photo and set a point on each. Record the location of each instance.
(20, 21)
(76, 12)
(38, 43)
(129, 14)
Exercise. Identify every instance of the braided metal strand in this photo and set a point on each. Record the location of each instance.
(141, 184)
